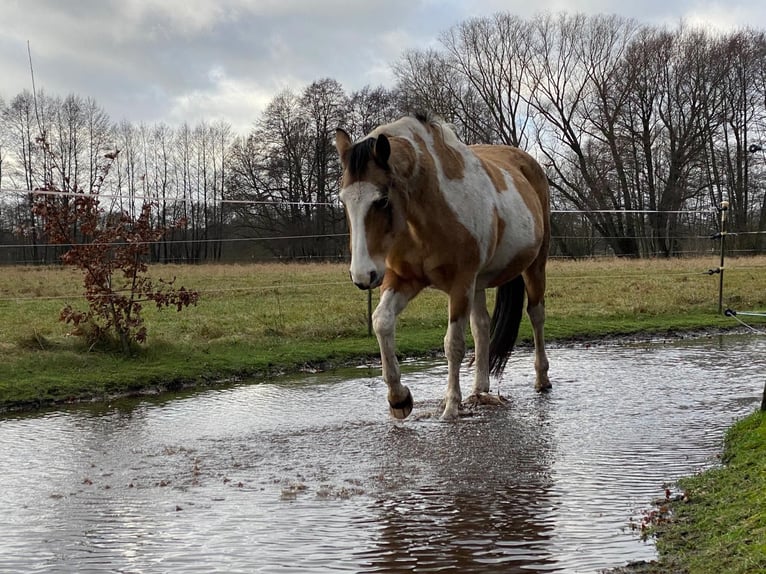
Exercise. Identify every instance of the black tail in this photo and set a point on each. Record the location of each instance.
(504, 328)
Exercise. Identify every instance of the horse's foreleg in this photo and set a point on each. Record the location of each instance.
(480, 331)
(537, 317)
(384, 323)
(454, 348)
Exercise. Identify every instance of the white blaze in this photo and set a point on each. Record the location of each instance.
(357, 199)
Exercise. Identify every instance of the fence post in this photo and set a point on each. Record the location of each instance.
(369, 312)
(724, 208)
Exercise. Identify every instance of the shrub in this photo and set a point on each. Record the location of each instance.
(111, 249)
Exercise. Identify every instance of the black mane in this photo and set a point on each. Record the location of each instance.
(424, 118)
(360, 155)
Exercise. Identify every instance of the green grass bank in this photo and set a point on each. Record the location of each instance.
(721, 529)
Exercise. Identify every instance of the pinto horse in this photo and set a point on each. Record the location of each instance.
(425, 209)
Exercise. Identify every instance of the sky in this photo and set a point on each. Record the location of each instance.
(177, 61)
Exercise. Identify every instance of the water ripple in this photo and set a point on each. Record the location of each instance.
(309, 474)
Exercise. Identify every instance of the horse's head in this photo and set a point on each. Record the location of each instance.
(372, 194)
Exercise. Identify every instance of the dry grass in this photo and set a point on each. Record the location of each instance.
(317, 300)
(652, 286)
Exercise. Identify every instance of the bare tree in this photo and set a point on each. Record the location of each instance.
(735, 126)
(493, 55)
(25, 122)
(324, 104)
(687, 80)
(578, 91)
(427, 81)
(368, 108)
(757, 164)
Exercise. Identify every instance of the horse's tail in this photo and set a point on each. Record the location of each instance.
(504, 327)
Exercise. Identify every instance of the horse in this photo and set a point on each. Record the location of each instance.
(426, 210)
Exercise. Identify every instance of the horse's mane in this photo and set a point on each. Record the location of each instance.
(359, 156)
(445, 129)
(425, 118)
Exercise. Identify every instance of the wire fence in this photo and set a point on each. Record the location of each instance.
(576, 234)
(708, 240)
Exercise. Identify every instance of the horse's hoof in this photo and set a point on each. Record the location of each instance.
(488, 399)
(450, 416)
(543, 386)
(403, 408)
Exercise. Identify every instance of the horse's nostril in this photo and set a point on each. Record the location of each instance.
(368, 280)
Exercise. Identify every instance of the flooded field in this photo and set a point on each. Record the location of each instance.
(309, 474)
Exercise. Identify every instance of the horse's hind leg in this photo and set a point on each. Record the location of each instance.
(534, 278)
(480, 331)
(480, 322)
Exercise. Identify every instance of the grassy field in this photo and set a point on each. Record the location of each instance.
(261, 318)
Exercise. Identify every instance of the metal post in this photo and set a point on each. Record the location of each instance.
(369, 312)
(724, 208)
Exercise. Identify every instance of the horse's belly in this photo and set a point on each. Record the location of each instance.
(510, 258)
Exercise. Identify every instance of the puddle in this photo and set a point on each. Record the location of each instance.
(310, 474)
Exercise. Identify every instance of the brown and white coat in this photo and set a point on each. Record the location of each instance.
(424, 210)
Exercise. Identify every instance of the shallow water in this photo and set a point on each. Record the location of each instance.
(310, 474)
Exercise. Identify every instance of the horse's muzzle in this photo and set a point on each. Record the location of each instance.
(373, 279)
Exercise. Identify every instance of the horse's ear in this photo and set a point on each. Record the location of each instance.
(342, 144)
(382, 150)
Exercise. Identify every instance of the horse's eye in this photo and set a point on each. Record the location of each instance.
(380, 204)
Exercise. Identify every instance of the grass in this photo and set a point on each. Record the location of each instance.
(722, 527)
(260, 318)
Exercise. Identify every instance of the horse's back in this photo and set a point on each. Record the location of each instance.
(516, 162)
(526, 237)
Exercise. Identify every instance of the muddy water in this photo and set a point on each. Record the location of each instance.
(310, 475)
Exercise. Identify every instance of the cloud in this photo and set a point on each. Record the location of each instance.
(233, 100)
(179, 60)
(717, 16)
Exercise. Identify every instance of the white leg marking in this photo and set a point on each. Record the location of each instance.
(384, 323)
(480, 330)
(454, 348)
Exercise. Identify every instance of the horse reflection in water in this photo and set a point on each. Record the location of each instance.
(427, 210)
(475, 498)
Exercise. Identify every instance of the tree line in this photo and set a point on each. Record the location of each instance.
(624, 117)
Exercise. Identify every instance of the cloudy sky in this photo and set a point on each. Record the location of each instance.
(186, 60)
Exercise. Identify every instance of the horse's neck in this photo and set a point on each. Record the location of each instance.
(424, 204)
